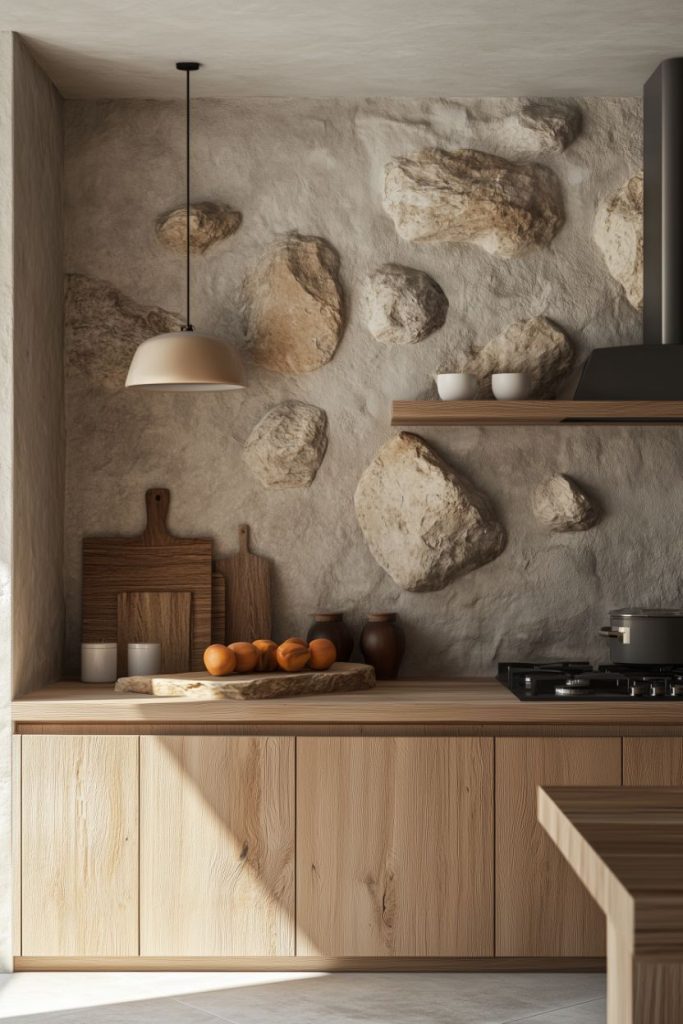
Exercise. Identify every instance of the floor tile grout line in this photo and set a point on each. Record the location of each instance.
(209, 1013)
(551, 1009)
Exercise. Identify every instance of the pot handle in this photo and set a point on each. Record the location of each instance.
(611, 634)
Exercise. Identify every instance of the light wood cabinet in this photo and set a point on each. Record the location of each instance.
(79, 846)
(216, 846)
(653, 761)
(395, 846)
(542, 909)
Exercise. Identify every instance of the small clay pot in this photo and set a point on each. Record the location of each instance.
(331, 626)
(383, 644)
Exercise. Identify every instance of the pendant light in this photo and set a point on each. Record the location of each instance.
(184, 360)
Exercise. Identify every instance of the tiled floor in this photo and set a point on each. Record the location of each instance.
(302, 998)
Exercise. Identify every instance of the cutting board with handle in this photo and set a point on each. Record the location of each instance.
(247, 592)
(155, 560)
(156, 617)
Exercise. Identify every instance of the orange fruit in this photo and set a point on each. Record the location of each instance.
(292, 656)
(267, 655)
(247, 656)
(323, 653)
(295, 640)
(219, 660)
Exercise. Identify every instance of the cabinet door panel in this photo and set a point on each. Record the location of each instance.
(216, 846)
(542, 909)
(79, 845)
(653, 761)
(395, 846)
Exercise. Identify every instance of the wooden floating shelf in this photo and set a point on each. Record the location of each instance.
(492, 412)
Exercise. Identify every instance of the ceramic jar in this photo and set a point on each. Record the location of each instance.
(331, 626)
(383, 644)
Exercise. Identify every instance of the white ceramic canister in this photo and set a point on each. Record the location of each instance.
(144, 659)
(454, 387)
(98, 663)
(511, 387)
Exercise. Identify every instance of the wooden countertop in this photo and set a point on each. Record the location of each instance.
(452, 702)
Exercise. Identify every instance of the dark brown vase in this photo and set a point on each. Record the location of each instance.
(383, 644)
(331, 626)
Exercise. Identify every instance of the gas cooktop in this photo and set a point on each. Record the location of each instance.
(580, 680)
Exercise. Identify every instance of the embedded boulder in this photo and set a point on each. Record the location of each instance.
(286, 447)
(103, 328)
(561, 505)
(293, 305)
(537, 347)
(209, 223)
(470, 196)
(403, 305)
(542, 127)
(424, 523)
(618, 233)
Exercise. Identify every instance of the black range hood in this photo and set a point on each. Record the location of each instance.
(653, 370)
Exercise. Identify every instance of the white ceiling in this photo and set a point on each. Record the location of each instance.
(126, 48)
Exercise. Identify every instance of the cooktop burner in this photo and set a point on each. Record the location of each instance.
(579, 680)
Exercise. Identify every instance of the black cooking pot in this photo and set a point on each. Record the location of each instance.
(640, 636)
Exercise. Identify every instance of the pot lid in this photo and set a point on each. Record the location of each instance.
(648, 613)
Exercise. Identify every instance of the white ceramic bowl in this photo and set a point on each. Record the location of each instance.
(454, 387)
(511, 386)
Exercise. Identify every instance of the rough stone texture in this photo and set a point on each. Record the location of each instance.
(560, 504)
(286, 447)
(318, 165)
(293, 305)
(209, 223)
(340, 678)
(470, 196)
(543, 126)
(403, 305)
(103, 328)
(618, 233)
(423, 522)
(538, 347)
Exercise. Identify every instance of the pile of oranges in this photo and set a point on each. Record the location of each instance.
(294, 655)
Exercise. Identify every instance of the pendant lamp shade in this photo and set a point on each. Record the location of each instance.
(185, 360)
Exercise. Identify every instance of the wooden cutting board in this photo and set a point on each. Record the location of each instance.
(247, 593)
(153, 561)
(343, 677)
(218, 608)
(150, 617)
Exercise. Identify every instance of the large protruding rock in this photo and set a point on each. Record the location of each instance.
(470, 196)
(286, 447)
(423, 522)
(618, 232)
(542, 126)
(209, 223)
(103, 328)
(561, 505)
(538, 347)
(293, 305)
(403, 305)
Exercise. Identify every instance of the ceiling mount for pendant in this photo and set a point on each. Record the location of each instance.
(184, 360)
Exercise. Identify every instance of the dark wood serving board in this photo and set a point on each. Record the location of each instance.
(153, 561)
(247, 592)
(158, 617)
(342, 677)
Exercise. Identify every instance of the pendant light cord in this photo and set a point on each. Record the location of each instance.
(187, 193)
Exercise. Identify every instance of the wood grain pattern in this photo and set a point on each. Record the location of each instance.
(247, 592)
(153, 561)
(653, 761)
(475, 702)
(394, 847)
(541, 907)
(626, 846)
(217, 832)
(79, 845)
(16, 845)
(340, 678)
(155, 617)
(532, 412)
(217, 608)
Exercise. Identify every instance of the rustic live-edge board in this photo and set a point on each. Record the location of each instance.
(626, 846)
(529, 413)
(340, 678)
(154, 560)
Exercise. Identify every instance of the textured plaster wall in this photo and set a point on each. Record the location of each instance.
(316, 167)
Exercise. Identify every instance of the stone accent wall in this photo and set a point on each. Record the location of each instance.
(330, 194)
